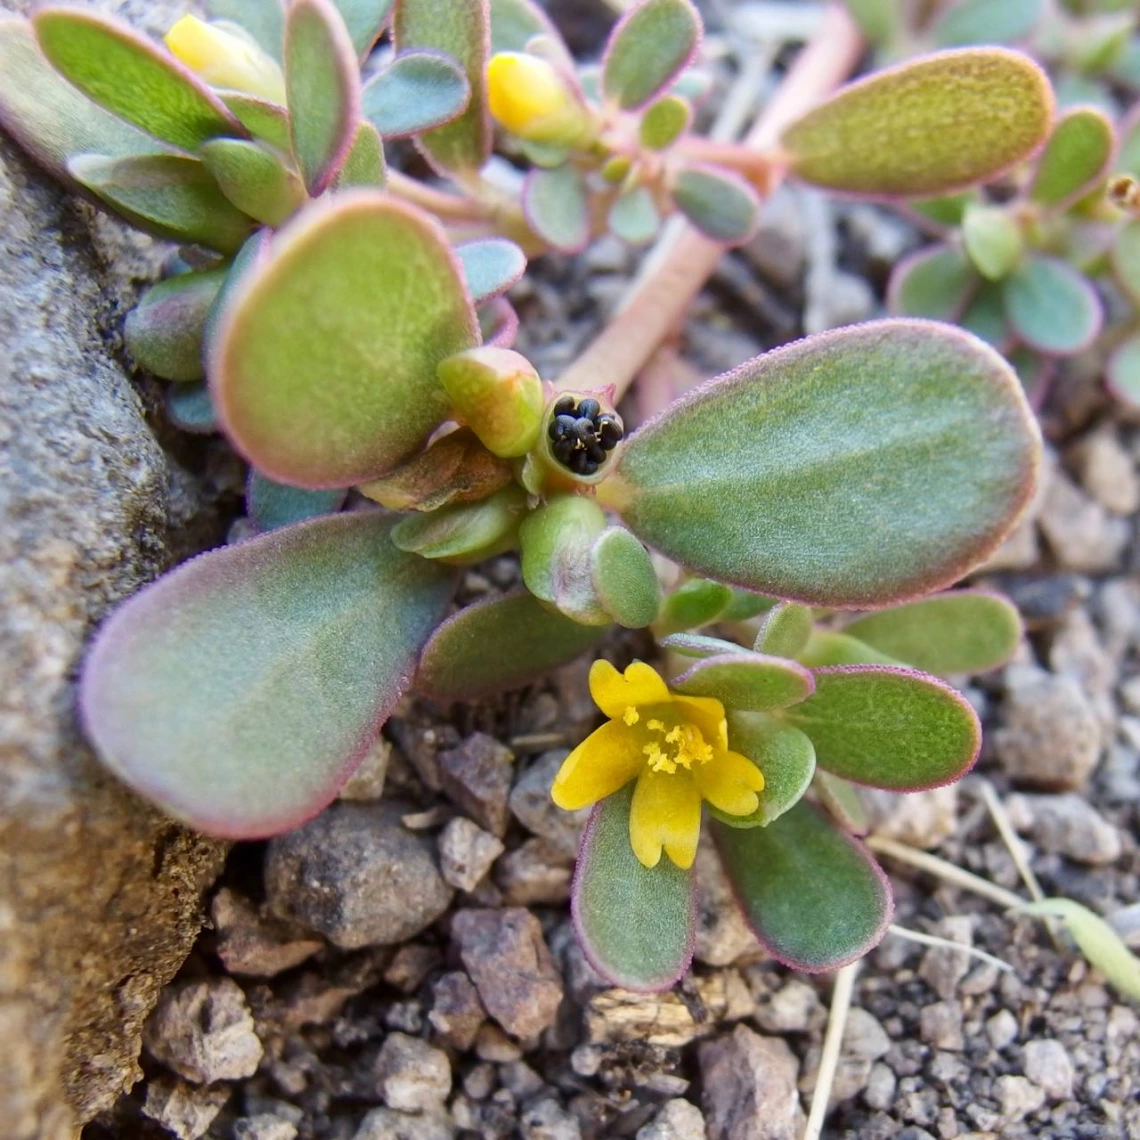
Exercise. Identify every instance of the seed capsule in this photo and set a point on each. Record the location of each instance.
(589, 408)
(565, 406)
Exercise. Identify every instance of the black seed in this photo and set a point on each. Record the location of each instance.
(577, 461)
(562, 427)
(584, 428)
(595, 451)
(564, 450)
(565, 406)
(589, 467)
(609, 444)
(610, 431)
(589, 408)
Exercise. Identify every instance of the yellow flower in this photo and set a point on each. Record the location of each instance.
(225, 59)
(530, 98)
(676, 747)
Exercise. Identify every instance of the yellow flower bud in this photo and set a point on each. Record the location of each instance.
(530, 98)
(225, 59)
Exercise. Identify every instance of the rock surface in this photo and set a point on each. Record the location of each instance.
(101, 896)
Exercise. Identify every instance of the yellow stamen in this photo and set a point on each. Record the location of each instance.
(631, 716)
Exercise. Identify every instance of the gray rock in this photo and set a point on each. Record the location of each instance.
(367, 782)
(456, 1012)
(1106, 472)
(356, 875)
(794, 1008)
(476, 776)
(722, 934)
(1017, 1097)
(91, 509)
(940, 1025)
(750, 1087)
(492, 1044)
(264, 1126)
(411, 1075)
(879, 1092)
(546, 1119)
(942, 968)
(479, 1081)
(203, 1031)
(1068, 825)
(678, 1119)
(506, 955)
(534, 874)
(1001, 1029)
(921, 819)
(1049, 736)
(466, 853)
(410, 965)
(531, 805)
(387, 1124)
(185, 1110)
(778, 247)
(1080, 532)
(1049, 1066)
(255, 944)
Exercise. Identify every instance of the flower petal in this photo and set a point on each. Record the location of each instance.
(614, 692)
(666, 812)
(730, 782)
(605, 761)
(707, 713)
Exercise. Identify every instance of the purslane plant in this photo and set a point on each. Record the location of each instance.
(349, 335)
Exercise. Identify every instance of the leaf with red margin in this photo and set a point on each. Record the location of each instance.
(814, 897)
(635, 924)
(888, 727)
(240, 691)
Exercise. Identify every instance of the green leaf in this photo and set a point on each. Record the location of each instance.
(1076, 156)
(252, 253)
(557, 208)
(556, 542)
(693, 603)
(464, 532)
(634, 217)
(719, 203)
(1096, 940)
(746, 605)
(938, 123)
(131, 77)
(624, 578)
(1122, 372)
(826, 647)
(966, 631)
(993, 240)
(165, 330)
(699, 645)
(750, 682)
(649, 47)
(664, 122)
(272, 505)
(254, 179)
(322, 84)
(240, 691)
(935, 283)
(888, 727)
(418, 90)
(497, 645)
(785, 630)
(264, 120)
(985, 316)
(364, 166)
(635, 924)
(785, 757)
(514, 23)
(365, 20)
(947, 210)
(1052, 307)
(47, 116)
(879, 20)
(263, 19)
(843, 802)
(1126, 259)
(803, 483)
(460, 29)
(325, 366)
(169, 195)
(1128, 154)
(490, 266)
(189, 408)
(813, 896)
(984, 22)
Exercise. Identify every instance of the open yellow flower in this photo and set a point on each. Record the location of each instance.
(225, 59)
(530, 98)
(676, 747)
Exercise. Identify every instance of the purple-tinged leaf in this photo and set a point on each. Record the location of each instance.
(888, 727)
(985, 317)
(825, 647)
(557, 208)
(254, 179)
(749, 682)
(324, 367)
(264, 20)
(514, 23)
(625, 578)
(935, 282)
(699, 645)
(490, 266)
(636, 924)
(992, 237)
(843, 801)
(1126, 259)
(692, 604)
(1123, 371)
(266, 121)
(464, 533)
(969, 22)
(1076, 157)
(165, 330)
(964, 631)
(240, 691)
(634, 216)
(417, 91)
(322, 82)
(785, 630)
(132, 77)
(1052, 308)
(272, 505)
(252, 254)
(803, 485)
(498, 323)
(189, 408)
(365, 166)
(814, 897)
(649, 47)
(719, 203)
(365, 20)
(497, 645)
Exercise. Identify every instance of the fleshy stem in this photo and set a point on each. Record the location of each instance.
(658, 302)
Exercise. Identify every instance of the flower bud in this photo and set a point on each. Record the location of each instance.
(530, 98)
(498, 394)
(225, 59)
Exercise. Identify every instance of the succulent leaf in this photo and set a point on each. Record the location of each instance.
(718, 202)
(648, 48)
(624, 578)
(364, 167)
(1052, 307)
(165, 330)
(971, 22)
(992, 239)
(692, 604)
(556, 541)
(557, 208)
(189, 408)
(750, 682)
(264, 20)
(271, 505)
(254, 179)
(935, 283)
(418, 90)
(634, 216)
(1076, 156)
(843, 802)
(490, 266)
(785, 630)
(365, 20)
(463, 533)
